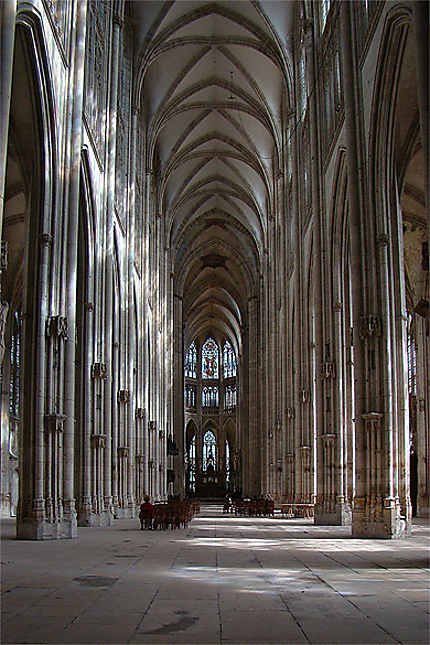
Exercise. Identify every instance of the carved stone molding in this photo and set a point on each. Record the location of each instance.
(57, 326)
(140, 459)
(290, 413)
(151, 426)
(54, 422)
(123, 451)
(328, 437)
(3, 255)
(46, 239)
(99, 371)
(370, 326)
(140, 413)
(328, 370)
(98, 440)
(123, 396)
(304, 395)
(372, 418)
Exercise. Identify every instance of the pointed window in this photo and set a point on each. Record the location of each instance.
(210, 398)
(230, 397)
(15, 366)
(192, 464)
(191, 361)
(412, 357)
(227, 461)
(210, 359)
(229, 360)
(209, 451)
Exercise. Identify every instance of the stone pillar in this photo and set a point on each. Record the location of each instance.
(178, 396)
(422, 26)
(7, 39)
(140, 455)
(89, 413)
(124, 510)
(111, 352)
(252, 451)
(76, 102)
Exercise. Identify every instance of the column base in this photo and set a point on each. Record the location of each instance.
(124, 513)
(31, 529)
(341, 515)
(377, 521)
(97, 520)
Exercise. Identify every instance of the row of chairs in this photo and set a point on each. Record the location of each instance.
(172, 515)
(254, 508)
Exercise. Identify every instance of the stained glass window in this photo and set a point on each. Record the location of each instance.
(191, 361)
(192, 465)
(230, 396)
(190, 396)
(412, 357)
(15, 366)
(229, 360)
(227, 462)
(210, 359)
(209, 451)
(210, 398)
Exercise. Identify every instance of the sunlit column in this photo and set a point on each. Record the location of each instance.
(76, 91)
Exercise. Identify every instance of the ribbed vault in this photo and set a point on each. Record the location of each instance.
(213, 90)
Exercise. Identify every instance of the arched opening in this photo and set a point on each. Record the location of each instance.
(26, 245)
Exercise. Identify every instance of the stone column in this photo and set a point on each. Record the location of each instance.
(7, 39)
(178, 396)
(132, 353)
(32, 521)
(110, 470)
(76, 104)
(422, 26)
(124, 510)
(251, 452)
(90, 413)
(140, 455)
(319, 394)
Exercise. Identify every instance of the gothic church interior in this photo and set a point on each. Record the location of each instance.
(214, 261)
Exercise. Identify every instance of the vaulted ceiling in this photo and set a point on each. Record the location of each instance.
(214, 90)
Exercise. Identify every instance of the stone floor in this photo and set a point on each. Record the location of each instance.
(221, 580)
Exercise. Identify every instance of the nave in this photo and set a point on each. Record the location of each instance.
(223, 579)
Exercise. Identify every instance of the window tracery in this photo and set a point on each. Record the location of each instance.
(230, 396)
(191, 361)
(192, 464)
(190, 396)
(15, 366)
(229, 360)
(209, 451)
(210, 359)
(210, 397)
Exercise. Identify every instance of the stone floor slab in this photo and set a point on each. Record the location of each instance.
(222, 580)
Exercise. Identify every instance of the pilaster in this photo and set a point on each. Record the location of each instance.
(376, 513)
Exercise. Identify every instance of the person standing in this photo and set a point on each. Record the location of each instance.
(146, 513)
